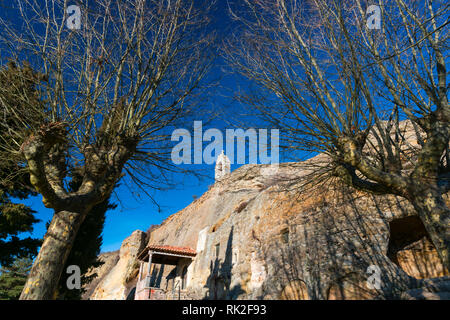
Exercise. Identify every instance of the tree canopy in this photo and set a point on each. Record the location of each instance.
(17, 84)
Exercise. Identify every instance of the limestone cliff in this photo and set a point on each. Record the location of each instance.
(258, 237)
(121, 270)
(109, 260)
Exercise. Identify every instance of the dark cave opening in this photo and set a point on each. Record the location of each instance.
(403, 232)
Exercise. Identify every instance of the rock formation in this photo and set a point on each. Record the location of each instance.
(117, 283)
(109, 260)
(260, 236)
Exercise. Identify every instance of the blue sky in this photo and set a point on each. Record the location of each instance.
(139, 213)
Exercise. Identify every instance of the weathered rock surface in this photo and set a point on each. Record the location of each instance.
(118, 282)
(436, 289)
(109, 260)
(258, 237)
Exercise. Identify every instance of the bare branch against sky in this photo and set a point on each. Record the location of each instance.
(338, 77)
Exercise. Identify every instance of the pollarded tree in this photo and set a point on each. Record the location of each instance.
(338, 77)
(118, 75)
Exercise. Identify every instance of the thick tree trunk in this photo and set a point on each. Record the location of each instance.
(44, 276)
(435, 215)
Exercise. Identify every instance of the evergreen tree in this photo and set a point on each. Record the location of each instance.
(15, 219)
(18, 86)
(12, 279)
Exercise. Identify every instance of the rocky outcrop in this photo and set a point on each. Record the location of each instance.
(109, 260)
(268, 236)
(436, 289)
(118, 282)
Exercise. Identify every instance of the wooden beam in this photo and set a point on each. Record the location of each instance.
(174, 255)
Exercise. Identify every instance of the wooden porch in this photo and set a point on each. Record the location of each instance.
(181, 257)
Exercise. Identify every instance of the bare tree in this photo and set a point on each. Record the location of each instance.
(114, 84)
(336, 84)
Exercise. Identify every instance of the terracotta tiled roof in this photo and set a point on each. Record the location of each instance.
(171, 249)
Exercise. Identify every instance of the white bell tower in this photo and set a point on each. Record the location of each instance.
(223, 166)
